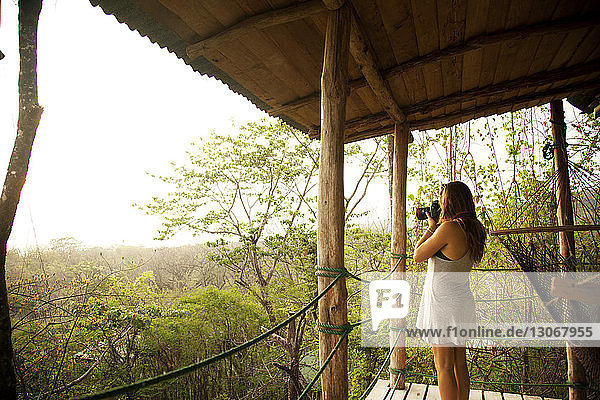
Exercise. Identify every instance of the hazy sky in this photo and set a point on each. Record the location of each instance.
(115, 106)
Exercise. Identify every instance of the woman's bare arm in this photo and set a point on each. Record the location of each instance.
(430, 243)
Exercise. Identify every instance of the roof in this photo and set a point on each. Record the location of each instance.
(442, 62)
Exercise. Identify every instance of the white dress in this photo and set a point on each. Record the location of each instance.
(447, 300)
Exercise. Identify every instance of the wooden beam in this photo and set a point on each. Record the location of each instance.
(398, 245)
(543, 78)
(371, 133)
(367, 133)
(333, 308)
(255, 22)
(312, 98)
(539, 79)
(381, 123)
(372, 121)
(489, 109)
(365, 57)
(477, 42)
(535, 229)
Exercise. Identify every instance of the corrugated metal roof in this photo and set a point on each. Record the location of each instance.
(136, 19)
(441, 64)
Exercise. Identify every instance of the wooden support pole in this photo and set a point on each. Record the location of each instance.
(398, 245)
(259, 21)
(330, 216)
(564, 212)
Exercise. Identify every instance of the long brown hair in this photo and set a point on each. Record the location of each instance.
(456, 202)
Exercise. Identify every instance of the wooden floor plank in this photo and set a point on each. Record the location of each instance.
(487, 395)
(419, 391)
(530, 397)
(416, 392)
(475, 394)
(381, 389)
(400, 394)
(512, 396)
(433, 393)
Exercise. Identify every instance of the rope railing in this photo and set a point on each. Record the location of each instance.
(387, 358)
(208, 361)
(342, 330)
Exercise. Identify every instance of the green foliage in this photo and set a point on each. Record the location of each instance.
(121, 331)
(238, 186)
(83, 322)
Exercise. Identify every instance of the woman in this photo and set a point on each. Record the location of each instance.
(452, 247)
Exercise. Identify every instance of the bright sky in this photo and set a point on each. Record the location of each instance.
(115, 106)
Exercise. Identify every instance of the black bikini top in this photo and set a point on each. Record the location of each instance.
(441, 255)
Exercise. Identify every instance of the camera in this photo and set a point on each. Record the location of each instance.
(434, 210)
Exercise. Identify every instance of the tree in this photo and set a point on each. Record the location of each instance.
(30, 113)
(254, 189)
(256, 192)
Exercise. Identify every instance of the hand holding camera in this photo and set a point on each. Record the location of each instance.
(434, 211)
(432, 214)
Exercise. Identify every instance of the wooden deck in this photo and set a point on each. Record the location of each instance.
(419, 391)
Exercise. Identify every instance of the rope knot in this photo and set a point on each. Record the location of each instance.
(334, 329)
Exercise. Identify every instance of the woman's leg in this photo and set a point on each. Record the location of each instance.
(462, 373)
(444, 364)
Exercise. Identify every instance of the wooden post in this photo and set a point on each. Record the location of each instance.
(564, 212)
(401, 139)
(330, 216)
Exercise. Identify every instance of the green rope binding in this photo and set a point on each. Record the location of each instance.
(400, 329)
(393, 390)
(211, 360)
(334, 329)
(333, 272)
(398, 256)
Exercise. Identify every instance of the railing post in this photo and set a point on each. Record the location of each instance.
(564, 212)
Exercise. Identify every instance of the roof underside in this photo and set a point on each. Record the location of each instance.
(445, 62)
